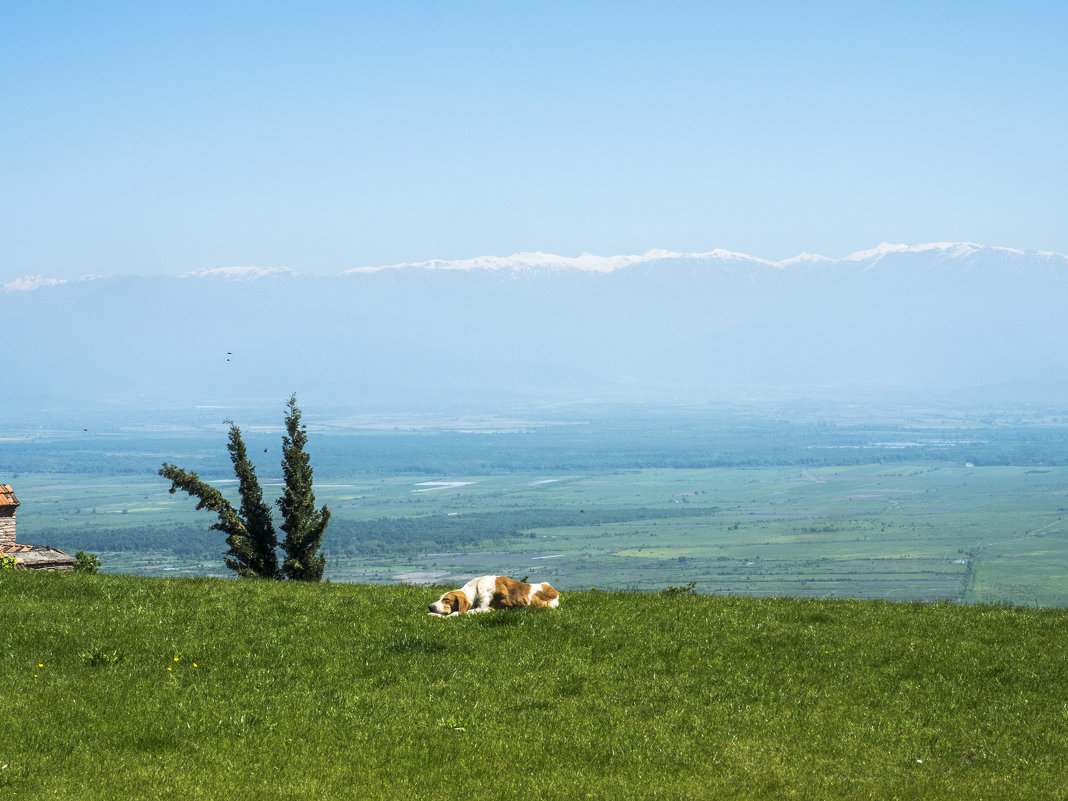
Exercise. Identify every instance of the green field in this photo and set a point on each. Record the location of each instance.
(138, 688)
(900, 531)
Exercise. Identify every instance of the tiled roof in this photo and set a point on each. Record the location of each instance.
(17, 547)
(7, 496)
(39, 557)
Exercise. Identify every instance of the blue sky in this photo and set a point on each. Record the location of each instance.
(166, 137)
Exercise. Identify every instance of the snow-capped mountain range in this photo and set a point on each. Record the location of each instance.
(533, 325)
(940, 251)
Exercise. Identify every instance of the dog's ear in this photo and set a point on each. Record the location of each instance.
(462, 604)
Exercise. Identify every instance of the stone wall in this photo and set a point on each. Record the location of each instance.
(7, 525)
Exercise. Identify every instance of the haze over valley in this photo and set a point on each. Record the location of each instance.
(532, 329)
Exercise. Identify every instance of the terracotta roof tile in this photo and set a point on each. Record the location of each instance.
(7, 496)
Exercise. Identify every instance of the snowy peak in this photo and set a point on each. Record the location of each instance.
(241, 273)
(940, 251)
(587, 261)
(944, 251)
(28, 283)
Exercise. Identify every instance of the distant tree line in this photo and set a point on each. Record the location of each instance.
(396, 536)
(662, 444)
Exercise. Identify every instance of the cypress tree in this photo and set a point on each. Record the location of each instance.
(302, 523)
(256, 513)
(249, 532)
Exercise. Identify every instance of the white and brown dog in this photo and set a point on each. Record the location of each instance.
(494, 592)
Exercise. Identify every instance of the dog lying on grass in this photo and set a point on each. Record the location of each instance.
(494, 592)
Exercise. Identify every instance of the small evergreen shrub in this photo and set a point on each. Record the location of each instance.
(86, 562)
(689, 588)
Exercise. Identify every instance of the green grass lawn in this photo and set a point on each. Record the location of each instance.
(128, 687)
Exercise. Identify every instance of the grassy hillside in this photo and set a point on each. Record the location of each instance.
(129, 687)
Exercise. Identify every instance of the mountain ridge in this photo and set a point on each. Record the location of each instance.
(586, 262)
(930, 318)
